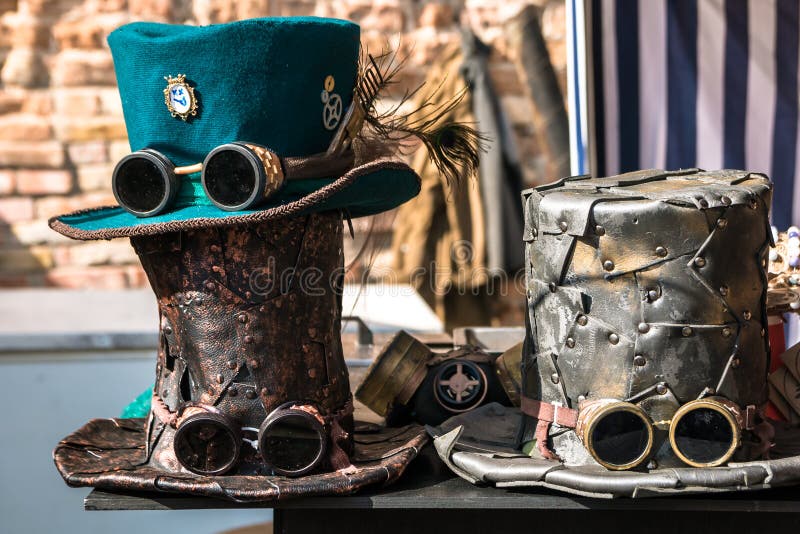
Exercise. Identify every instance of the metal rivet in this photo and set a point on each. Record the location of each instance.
(726, 332)
(570, 342)
(231, 364)
(248, 339)
(725, 200)
(581, 398)
(168, 330)
(582, 320)
(736, 362)
(661, 389)
(703, 203)
(652, 295)
(220, 379)
(722, 223)
(555, 378)
(242, 318)
(700, 261)
(651, 465)
(563, 226)
(210, 286)
(639, 360)
(613, 339)
(643, 328)
(312, 373)
(723, 290)
(599, 230)
(254, 364)
(233, 392)
(608, 265)
(552, 287)
(686, 331)
(661, 251)
(250, 394)
(747, 315)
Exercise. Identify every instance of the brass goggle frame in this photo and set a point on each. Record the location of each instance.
(593, 412)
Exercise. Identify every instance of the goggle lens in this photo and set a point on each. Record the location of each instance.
(143, 185)
(704, 436)
(229, 178)
(620, 438)
(207, 444)
(292, 442)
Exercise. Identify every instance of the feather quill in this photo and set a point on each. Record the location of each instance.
(453, 147)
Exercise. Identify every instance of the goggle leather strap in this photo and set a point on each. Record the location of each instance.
(547, 414)
(162, 412)
(339, 459)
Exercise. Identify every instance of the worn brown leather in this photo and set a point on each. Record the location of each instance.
(250, 319)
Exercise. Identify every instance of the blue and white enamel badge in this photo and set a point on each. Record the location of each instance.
(332, 105)
(179, 97)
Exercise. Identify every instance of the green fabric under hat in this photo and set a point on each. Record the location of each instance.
(262, 81)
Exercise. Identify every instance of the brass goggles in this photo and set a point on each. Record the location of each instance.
(235, 177)
(619, 435)
(292, 440)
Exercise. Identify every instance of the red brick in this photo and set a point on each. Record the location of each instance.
(11, 101)
(83, 67)
(76, 101)
(90, 128)
(116, 252)
(24, 67)
(17, 260)
(47, 207)
(25, 127)
(49, 154)
(136, 276)
(436, 16)
(112, 277)
(44, 182)
(28, 31)
(7, 181)
(15, 209)
(95, 177)
(88, 152)
(35, 233)
(37, 102)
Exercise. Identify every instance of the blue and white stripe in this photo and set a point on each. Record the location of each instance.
(706, 83)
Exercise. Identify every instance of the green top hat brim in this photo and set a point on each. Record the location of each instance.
(371, 188)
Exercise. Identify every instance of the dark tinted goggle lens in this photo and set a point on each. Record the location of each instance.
(620, 438)
(704, 436)
(230, 179)
(206, 444)
(292, 443)
(144, 185)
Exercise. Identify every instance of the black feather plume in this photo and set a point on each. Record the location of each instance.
(453, 147)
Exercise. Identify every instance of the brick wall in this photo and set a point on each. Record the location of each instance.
(61, 126)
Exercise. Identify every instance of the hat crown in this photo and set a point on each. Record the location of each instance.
(284, 83)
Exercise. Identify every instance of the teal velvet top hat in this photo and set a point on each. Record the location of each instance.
(284, 84)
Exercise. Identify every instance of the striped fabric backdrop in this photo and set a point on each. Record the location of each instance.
(698, 83)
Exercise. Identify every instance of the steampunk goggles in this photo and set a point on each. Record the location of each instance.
(292, 440)
(620, 435)
(235, 176)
